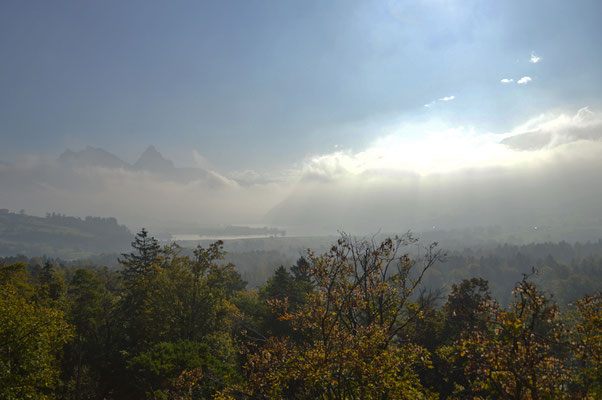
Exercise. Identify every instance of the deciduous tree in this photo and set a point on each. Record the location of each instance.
(353, 325)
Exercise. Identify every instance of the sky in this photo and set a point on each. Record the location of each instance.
(281, 93)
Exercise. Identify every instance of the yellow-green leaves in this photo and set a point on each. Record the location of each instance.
(32, 336)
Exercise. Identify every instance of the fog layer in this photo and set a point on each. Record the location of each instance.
(546, 172)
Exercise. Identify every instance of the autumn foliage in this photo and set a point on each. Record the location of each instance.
(353, 323)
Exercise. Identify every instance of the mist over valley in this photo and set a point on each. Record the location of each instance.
(309, 200)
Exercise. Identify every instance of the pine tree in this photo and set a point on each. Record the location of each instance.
(52, 285)
(146, 253)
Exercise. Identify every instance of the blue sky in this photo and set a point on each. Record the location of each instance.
(312, 115)
(264, 84)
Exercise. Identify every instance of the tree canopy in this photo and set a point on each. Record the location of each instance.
(354, 322)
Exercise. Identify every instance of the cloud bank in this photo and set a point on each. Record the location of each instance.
(151, 197)
(544, 172)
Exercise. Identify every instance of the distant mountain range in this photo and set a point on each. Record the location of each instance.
(151, 161)
(92, 157)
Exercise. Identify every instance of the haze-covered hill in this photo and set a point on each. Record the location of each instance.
(150, 161)
(150, 192)
(91, 157)
(58, 235)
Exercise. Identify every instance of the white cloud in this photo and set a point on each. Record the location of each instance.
(548, 131)
(524, 80)
(455, 177)
(446, 98)
(417, 174)
(534, 59)
(507, 80)
(439, 150)
(436, 151)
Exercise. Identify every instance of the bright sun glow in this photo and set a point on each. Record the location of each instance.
(433, 152)
(433, 149)
(437, 151)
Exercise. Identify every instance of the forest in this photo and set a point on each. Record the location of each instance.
(364, 319)
(300, 200)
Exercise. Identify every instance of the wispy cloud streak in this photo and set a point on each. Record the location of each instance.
(445, 98)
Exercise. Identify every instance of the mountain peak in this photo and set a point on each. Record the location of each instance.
(152, 150)
(152, 160)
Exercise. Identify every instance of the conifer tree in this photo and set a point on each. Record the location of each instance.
(137, 263)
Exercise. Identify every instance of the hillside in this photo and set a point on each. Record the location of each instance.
(58, 235)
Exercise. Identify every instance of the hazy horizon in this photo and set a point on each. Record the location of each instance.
(315, 117)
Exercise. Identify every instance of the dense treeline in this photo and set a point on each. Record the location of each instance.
(565, 270)
(568, 270)
(355, 322)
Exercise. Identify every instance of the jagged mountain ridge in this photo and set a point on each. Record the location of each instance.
(92, 157)
(151, 160)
